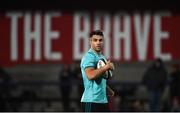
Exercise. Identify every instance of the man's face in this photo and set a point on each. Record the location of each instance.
(96, 43)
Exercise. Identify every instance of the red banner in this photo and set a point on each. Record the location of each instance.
(62, 37)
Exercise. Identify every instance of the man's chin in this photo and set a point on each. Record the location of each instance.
(98, 50)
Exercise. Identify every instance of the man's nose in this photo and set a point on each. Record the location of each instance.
(98, 42)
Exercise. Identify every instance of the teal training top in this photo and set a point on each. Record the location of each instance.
(94, 90)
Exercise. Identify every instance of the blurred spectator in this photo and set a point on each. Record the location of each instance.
(30, 96)
(155, 79)
(76, 79)
(75, 70)
(80, 89)
(65, 87)
(175, 87)
(5, 90)
(127, 95)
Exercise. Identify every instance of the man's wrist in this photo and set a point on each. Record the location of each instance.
(105, 68)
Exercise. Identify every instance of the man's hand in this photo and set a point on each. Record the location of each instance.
(110, 65)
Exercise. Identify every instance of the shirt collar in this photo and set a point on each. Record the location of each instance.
(91, 50)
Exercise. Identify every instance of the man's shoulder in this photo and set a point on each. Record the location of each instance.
(89, 54)
(88, 59)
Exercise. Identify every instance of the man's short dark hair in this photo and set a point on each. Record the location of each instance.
(96, 32)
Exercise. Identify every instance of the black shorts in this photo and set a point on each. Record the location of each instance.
(95, 107)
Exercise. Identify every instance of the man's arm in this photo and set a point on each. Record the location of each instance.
(110, 92)
(95, 73)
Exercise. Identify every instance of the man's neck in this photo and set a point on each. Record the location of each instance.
(100, 52)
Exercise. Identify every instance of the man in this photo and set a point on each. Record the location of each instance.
(155, 80)
(94, 97)
(174, 88)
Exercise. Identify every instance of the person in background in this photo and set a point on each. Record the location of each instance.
(5, 90)
(65, 87)
(155, 80)
(175, 87)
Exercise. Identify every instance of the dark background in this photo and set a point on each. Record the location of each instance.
(71, 5)
(34, 84)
